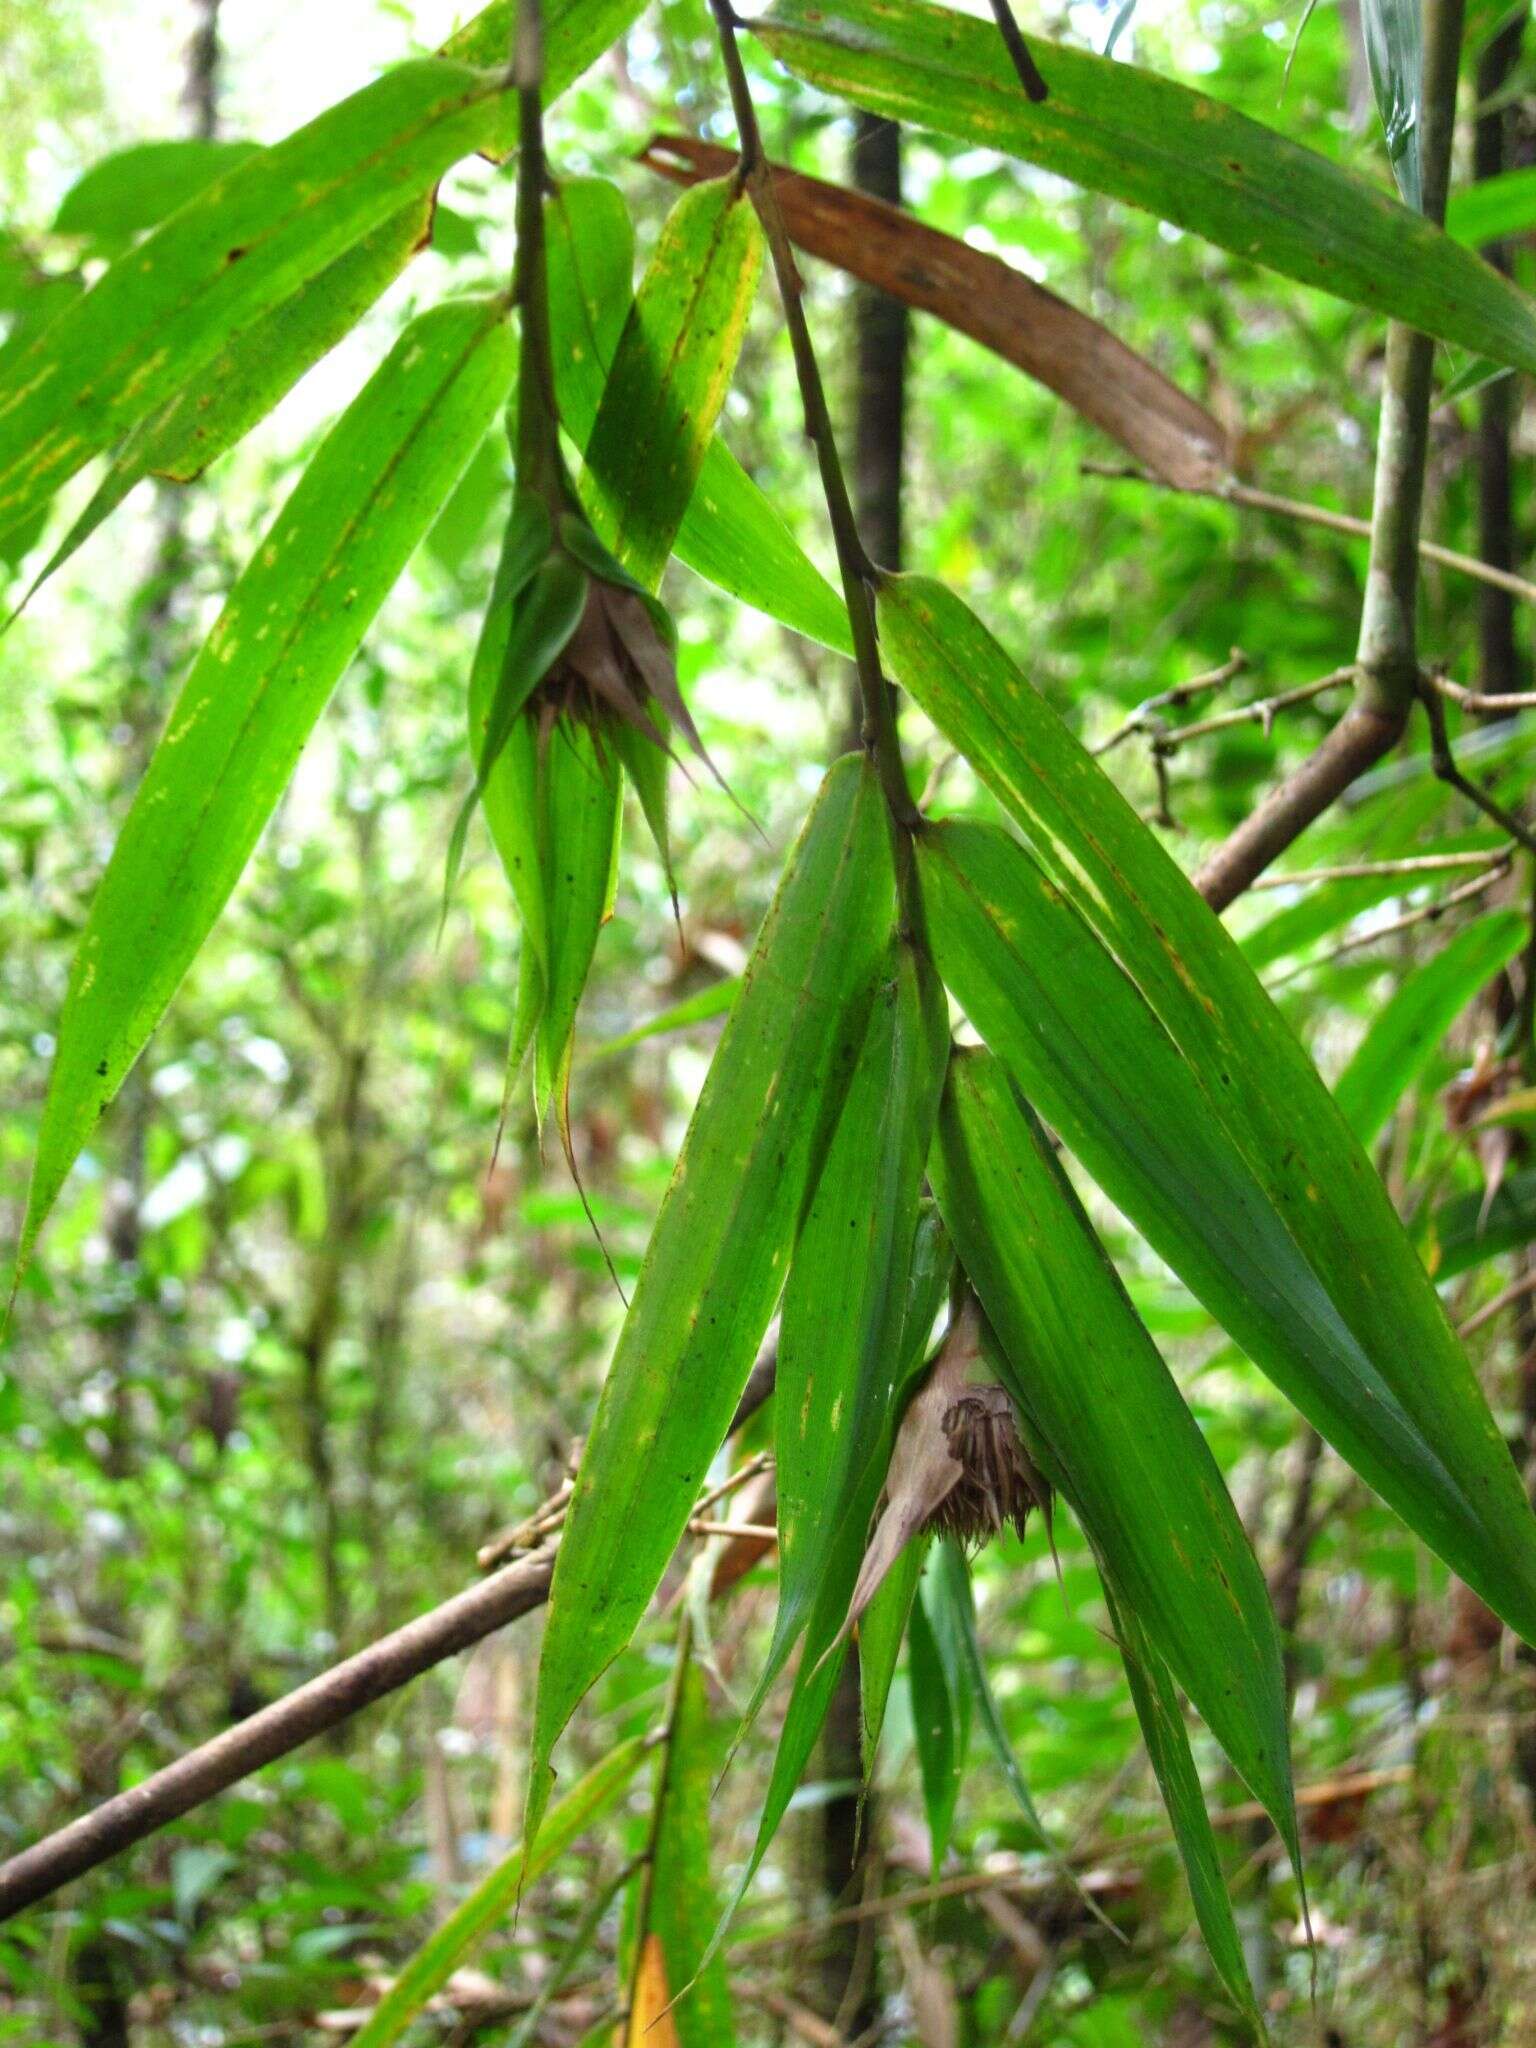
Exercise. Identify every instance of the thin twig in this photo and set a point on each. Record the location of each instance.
(1479, 700)
(1018, 50)
(1262, 713)
(760, 1532)
(1144, 718)
(1426, 913)
(758, 1463)
(1035, 1877)
(1445, 767)
(1517, 1290)
(313, 1709)
(1314, 515)
(1368, 870)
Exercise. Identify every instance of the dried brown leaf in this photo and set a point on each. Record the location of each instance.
(1070, 353)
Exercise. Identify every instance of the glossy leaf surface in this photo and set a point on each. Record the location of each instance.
(670, 374)
(1456, 1485)
(1087, 1376)
(1156, 144)
(845, 1303)
(1405, 1036)
(291, 624)
(718, 1252)
(237, 249)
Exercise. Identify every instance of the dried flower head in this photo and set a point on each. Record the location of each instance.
(959, 1466)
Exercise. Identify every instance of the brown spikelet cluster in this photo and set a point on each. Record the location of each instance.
(997, 1483)
(616, 662)
(958, 1466)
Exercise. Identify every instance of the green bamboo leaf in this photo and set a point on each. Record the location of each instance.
(494, 1897)
(681, 1907)
(1493, 208)
(243, 244)
(1405, 1036)
(1393, 34)
(258, 366)
(591, 256)
(717, 1254)
(290, 626)
(730, 533)
(576, 33)
(1080, 1039)
(941, 1699)
(1449, 1474)
(1163, 1731)
(1467, 1229)
(1087, 1376)
(671, 372)
(951, 1585)
(1156, 144)
(845, 1303)
(825, 1643)
(710, 1002)
(580, 791)
(136, 188)
(536, 605)
(882, 1626)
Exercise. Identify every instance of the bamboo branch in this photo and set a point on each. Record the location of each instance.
(1449, 773)
(1317, 515)
(857, 570)
(1368, 870)
(1481, 701)
(1144, 718)
(313, 1709)
(1426, 913)
(1261, 713)
(1386, 657)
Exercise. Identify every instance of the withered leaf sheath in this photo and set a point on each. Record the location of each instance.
(959, 1466)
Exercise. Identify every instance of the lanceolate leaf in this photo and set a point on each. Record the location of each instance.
(710, 1002)
(234, 251)
(730, 533)
(717, 1254)
(881, 1629)
(681, 1907)
(845, 1304)
(576, 33)
(1393, 34)
(1256, 1083)
(824, 1646)
(951, 1584)
(1145, 139)
(133, 189)
(941, 1702)
(240, 722)
(492, 1900)
(1082, 1042)
(1162, 1728)
(980, 295)
(1405, 1036)
(1493, 207)
(671, 373)
(581, 794)
(1087, 1376)
(252, 372)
